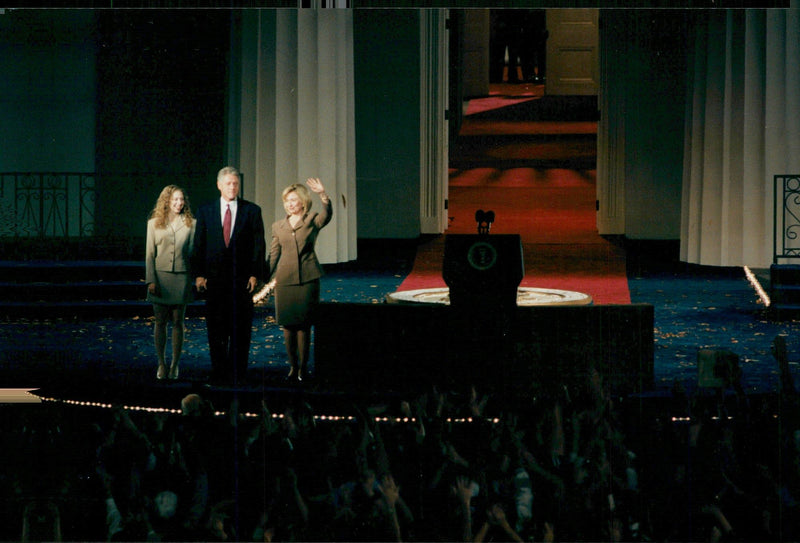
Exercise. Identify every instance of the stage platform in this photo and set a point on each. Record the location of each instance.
(108, 357)
(362, 352)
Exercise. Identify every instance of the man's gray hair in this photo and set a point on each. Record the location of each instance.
(228, 170)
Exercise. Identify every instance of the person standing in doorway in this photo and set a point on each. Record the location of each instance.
(534, 49)
(227, 260)
(505, 43)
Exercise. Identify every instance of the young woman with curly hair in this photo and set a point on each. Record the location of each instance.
(170, 238)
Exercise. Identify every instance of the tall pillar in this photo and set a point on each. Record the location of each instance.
(433, 121)
(292, 114)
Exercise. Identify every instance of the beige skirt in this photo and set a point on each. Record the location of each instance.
(175, 288)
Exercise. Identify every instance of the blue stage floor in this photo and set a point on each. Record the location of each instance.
(693, 309)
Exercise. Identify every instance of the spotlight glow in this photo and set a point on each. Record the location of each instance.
(757, 286)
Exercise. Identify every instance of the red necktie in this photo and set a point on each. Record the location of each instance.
(226, 226)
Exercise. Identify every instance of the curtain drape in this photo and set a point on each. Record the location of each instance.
(741, 130)
(292, 113)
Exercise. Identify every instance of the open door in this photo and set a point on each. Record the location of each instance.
(434, 144)
(573, 66)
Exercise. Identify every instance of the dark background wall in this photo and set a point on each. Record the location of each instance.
(140, 97)
(47, 90)
(386, 50)
(150, 87)
(649, 72)
(161, 80)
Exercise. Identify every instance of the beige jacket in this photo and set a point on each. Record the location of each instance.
(168, 249)
(292, 260)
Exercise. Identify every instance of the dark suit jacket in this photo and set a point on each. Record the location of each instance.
(292, 259)
(243, 258)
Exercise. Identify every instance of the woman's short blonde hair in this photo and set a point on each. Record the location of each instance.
(302, 192)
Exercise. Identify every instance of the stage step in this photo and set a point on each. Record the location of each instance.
(61, 271)
(784, 291)
(569, 151)
(74, 289)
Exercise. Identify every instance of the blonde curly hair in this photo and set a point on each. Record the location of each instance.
(161, 209)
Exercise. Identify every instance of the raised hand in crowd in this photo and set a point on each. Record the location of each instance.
(476, 405)
(496, 517)
(462, 490)
(391, 497)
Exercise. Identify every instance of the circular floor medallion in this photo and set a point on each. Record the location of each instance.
(526, 296)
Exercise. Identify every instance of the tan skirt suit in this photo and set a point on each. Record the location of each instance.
(294, 266)
(167, 261)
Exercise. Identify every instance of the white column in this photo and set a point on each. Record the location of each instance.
(433, 124)
(295, 115)
(611, 132)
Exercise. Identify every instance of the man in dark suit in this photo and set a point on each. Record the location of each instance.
(227, 260)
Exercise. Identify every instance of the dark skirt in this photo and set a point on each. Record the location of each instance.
(295, 304)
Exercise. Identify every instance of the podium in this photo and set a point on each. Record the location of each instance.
(483, 271)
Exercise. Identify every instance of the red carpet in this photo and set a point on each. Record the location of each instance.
(553, 210)
(502, 95)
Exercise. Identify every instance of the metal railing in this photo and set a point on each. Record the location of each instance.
(786, 221)
(47, 205)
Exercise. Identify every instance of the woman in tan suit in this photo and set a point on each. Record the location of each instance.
(170, 237)
(294, 266)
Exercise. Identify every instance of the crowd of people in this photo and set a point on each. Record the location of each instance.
(574, 465)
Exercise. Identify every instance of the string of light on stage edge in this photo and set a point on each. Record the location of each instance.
(321, 418)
